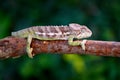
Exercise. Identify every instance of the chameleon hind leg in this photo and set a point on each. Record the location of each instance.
(28, 48)
(76, 43)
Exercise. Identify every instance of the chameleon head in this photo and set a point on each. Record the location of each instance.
(80, 31)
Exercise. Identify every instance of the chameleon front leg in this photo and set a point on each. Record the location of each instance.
(28, 48)
(83, 44)
(76, 43)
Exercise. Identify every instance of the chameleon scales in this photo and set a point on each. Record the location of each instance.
(69, 32)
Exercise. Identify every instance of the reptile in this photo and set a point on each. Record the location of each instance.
(66, 32)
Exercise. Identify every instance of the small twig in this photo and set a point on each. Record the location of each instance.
(13, 47)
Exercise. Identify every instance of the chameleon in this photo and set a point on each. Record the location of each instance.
(66, 32)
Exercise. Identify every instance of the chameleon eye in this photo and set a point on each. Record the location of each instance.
(83, 30)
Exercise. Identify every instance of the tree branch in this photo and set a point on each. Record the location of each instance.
(13, 47)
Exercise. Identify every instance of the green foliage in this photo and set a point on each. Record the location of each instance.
(5, 21)
(101, 16)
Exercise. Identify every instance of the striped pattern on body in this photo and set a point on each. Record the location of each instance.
(55, 32)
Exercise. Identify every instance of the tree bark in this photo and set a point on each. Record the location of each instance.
(14, 47)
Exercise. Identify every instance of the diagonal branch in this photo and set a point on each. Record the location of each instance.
(13, 47)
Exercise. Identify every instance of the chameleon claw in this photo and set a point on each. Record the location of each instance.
(83, 44)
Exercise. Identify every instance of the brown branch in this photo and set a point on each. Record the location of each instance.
(13, 47)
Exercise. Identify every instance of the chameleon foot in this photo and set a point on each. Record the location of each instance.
(71, 42)
(83, 44)
(29, 52)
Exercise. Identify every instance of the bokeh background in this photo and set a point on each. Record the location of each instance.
(101, 16)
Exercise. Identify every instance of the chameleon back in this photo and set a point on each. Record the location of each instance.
(49, 32)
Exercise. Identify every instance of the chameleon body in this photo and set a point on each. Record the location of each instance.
(55, 33)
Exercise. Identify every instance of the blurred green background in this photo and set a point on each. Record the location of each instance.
(101, 16)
